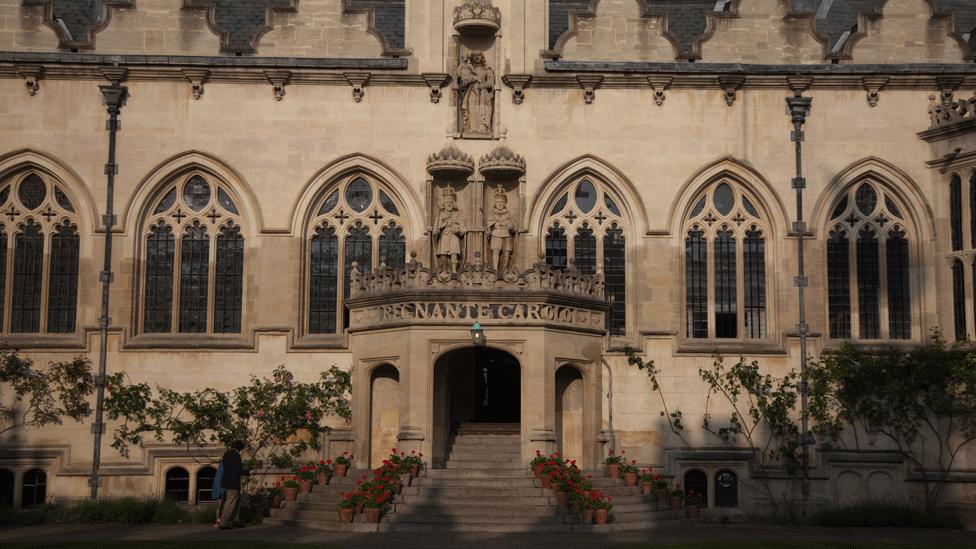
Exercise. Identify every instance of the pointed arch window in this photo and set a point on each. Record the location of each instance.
(868, 266)
(40, 248)
(584, 228)
(356, 220)
(194, 260)
(959, 300)
(955, 212)
(725, 265)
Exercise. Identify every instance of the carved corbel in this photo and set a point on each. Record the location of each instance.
(873, 85)
(589, 83)
(115, 75)
(278, 79)
(436, 81)
(660, 84)
(358, 82)
(518, 83)
(731, 86)
(197, 78)
(799, 84)
(32, 74)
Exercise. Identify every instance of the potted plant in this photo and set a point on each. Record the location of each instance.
(323, 472)
(290, 489)
(537, 464)
(661, 489)
(347, 507)
(692, 503)
(342, 464)
(613, 464)
(630, 472)
(375, 502)
(305, 474)
(275, 494)
(677, 497)
(601, 509)
(646, 478)
(413, 463)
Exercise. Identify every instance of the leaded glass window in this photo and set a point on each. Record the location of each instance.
(955, 212)
(357, 220)
(196, 226)
(39, 256)
(584, 229)
(959, 300)
(725, 265)
(869, 266)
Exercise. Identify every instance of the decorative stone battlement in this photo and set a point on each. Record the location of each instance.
(948, 111)
(414, 277)
(477, 14)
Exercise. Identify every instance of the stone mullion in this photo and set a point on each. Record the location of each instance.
(174, 321)
(211, 281)
(710, 293)
(852, 274)
(46, 242)
(883, 279)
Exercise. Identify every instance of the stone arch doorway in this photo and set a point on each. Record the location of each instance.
(570, 395)
(475, 386)
(384, 412)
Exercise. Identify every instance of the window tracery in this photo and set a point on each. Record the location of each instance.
(585, 226)
(868, 266)
(195, 225)
(356, 222)
(39, 256)
(725, 265)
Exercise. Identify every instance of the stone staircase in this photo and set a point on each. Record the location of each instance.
(484, 488)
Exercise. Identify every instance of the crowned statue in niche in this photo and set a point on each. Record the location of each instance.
(501, 231)
(476, 84)
(448, 231)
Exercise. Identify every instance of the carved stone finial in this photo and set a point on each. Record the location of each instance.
(450, 160)
(502, 161)
(478, 15)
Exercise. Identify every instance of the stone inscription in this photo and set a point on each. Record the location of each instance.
(469, 312)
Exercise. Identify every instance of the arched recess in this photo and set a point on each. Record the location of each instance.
(570, 406)
(177, 484)
(26, 159)
(903, 187)
(384, 412)
(696, 481)
(6, 488)
(142, 198)
(739, 172)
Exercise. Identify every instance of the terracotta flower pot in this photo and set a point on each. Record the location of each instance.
(692, 511)
(613, 470)
(676, 503)
(345, 515)
(630, 479)
(537, 470)
(291, 494)
(340, 470)
(646, 488)
(546, 482)
(587, 516)
(415, 471)
(306, 485)
(601, 516)
(276, 502)
(561, 499)
(373, 515)
(322, 479)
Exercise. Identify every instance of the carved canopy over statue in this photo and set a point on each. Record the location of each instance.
(476, 86)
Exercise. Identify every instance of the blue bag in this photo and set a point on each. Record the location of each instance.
(218, 489)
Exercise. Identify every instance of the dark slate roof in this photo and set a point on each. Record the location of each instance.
(388, 19)
(75, 20)
(560, 12)
(241, 23)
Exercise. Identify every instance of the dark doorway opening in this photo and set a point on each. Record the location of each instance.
(475, 386)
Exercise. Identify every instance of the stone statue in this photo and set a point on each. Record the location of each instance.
(501, 231)
(449, 230)
(476, 82)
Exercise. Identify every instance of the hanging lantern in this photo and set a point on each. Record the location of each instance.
(477, 335)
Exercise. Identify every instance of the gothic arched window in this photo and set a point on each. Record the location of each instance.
(194, 260)
(955, 212)
(959, 300)
(39, 232)
(868, 266)
(725, 266)
(585, 226)
(355, 221)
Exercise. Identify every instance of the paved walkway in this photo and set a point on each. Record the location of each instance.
(679, 533)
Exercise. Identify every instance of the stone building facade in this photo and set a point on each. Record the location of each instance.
(354, 182)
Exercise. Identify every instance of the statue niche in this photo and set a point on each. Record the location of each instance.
(449, 232)
(476, 96)
(501, 230)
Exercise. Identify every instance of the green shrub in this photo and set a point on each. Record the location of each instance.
(204, 514)
(885, 515)
(108, 511)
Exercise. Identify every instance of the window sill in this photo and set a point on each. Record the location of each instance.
(188, 341)
(729, 347)
(42, 341)
(322, 341)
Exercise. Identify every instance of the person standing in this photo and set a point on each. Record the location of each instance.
(231, 483)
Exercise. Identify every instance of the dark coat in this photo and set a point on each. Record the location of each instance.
(233, 469)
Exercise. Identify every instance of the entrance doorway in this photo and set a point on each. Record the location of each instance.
(474, 385)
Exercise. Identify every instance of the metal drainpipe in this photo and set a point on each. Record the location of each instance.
(114, 96)
(799, 110)
(613, 436)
